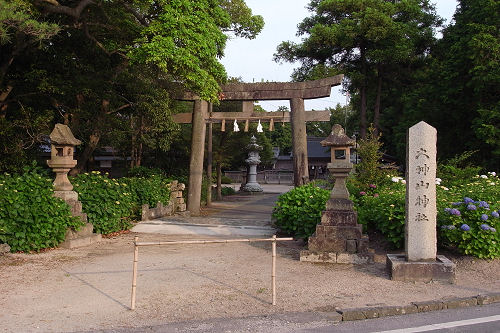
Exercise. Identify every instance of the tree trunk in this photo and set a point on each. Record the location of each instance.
(219, 181)
(87, 152)
(133, 143)
(94, 138)
(376, 115)
(138, 160)
(362, 120)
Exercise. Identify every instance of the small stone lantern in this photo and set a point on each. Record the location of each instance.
(340, 166)
(61, 156)
(253, 160)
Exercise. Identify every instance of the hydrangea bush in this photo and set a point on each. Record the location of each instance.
(471, 225)
(111, 204)
(31, 218)
(383, 209)
(298, 211)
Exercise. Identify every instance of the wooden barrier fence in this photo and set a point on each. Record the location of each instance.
(246, 240)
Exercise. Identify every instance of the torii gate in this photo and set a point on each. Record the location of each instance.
(295, 92)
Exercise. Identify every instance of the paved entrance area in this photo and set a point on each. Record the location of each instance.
(246, 215)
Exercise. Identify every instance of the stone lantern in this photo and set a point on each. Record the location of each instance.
(338, 238)
(61, 161)
(61, 156)
(253, 160)
(340, 166)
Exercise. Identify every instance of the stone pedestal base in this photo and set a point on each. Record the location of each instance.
(82, 237)
(251, 187)
(336, 258)
(420, 271)
(338, 238)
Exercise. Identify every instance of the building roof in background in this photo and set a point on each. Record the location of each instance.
(315, 149)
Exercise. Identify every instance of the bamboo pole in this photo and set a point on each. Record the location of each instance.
(134, 273)
(273, 271)
(241, 240)
(271, 125)
(246, 125)
(223, 127)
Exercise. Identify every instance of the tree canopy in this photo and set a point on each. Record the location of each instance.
(373, 42)
(109, 68)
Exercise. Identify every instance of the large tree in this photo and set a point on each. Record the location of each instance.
(104, 67)
(466, 82)
(373, 42)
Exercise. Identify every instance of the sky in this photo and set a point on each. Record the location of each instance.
(252, 60)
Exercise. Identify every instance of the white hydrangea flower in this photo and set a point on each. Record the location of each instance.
(484, 176)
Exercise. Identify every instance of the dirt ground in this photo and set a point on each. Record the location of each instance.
(89, 288)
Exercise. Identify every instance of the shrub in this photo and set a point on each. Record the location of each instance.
(383, 209)
(111, 204)
(31, 218)
(368, 170)
(227, 190)
(298, 211)
(149, 190)
(226, 180)
(457, 169)
(141, 171)
(473, 227)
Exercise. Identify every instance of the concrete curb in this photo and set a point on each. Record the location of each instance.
(415, 307)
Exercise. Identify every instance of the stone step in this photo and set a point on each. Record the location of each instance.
(85, 231)
(81, 241)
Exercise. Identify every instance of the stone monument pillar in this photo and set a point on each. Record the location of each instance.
(253, 160)
(420, 262)
(61, 161)
(338, 238)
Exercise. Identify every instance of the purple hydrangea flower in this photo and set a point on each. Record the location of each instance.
(485, 227)
(447, 210)
(373, 186)
(484, 204)
(468, 200)
(455, 211)
(471, 207)
(484, 217)
(494, 214)
(493, 230)
(465, 227)
(362, 193)
(456, 203)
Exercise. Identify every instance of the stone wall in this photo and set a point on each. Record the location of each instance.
(175, 205)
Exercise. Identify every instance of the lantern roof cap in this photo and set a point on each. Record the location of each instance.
(62, 135)
(338, 138)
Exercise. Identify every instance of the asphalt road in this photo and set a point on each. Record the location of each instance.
(483, 319)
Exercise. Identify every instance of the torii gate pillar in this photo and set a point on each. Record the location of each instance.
(299, 142)
(200, 112)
